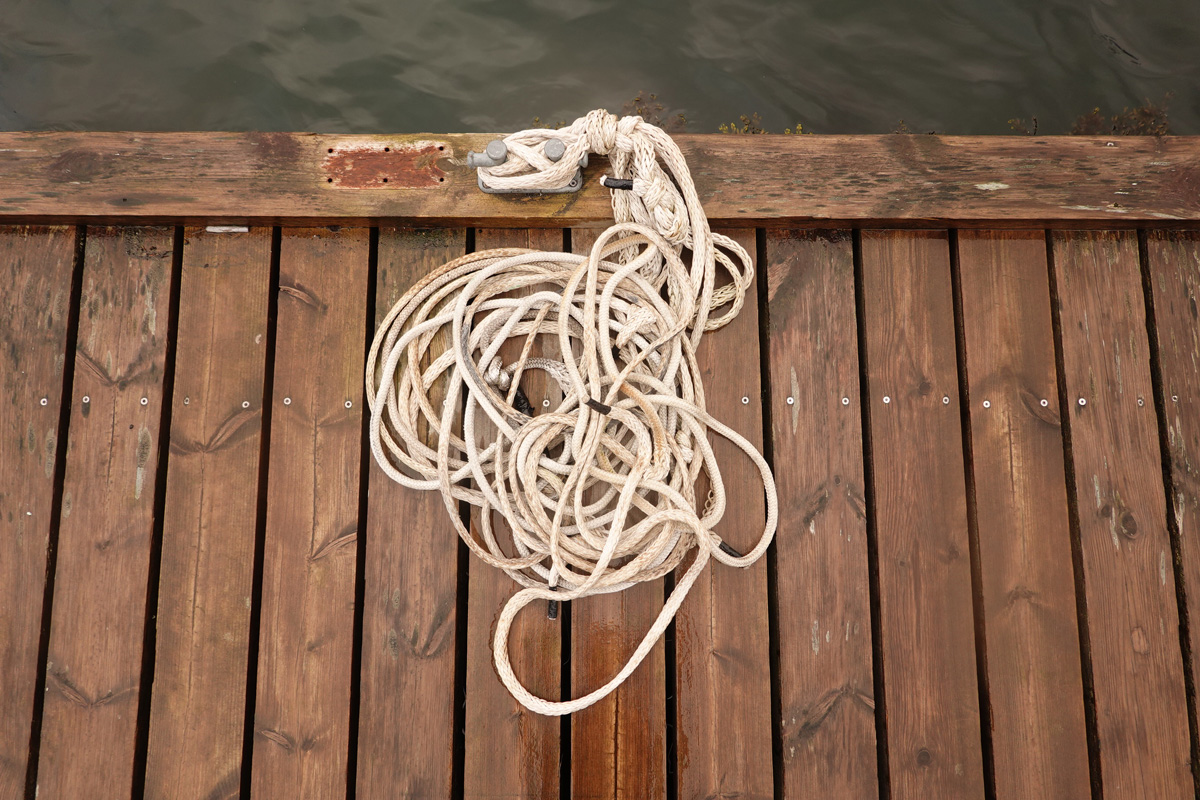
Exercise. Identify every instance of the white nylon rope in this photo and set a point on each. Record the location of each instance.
(599, 491)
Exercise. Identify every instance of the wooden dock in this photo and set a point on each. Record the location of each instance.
(974, 364)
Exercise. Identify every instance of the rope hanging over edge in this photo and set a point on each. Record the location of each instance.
(599, 490)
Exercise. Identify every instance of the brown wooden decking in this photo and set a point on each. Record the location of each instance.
(985, 438)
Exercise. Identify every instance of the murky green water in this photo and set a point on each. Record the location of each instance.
(837, 66)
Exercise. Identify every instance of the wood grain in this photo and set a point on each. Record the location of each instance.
(618, 745)
(510, 751)
(409, 612)
(1137, 668)
(94, 664)
(826, 682)
(290, 177)
(306, 631)
(206, 581)
(36, 266)
(928, 637)
(1035, 689)
(1174, 264)
(722, 631)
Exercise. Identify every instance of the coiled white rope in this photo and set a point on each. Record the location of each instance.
(599, 491)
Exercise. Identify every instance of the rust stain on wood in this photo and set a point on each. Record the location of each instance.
(368, 166)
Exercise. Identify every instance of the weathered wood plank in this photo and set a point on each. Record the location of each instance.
(1035, 688)
(618, 745)
(1137, 668)
(94, 664)
(510, 751)
(36, 266)
(928, 637)
(409, 611)
(722, 636)
(1174, 263)
(206, 579)
(306, 632)
(826, 682)
(287, 177)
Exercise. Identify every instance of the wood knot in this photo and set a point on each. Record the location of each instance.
(924, 388)
(924, 757)
(1141, 642)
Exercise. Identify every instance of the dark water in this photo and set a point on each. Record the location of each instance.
(836, 66)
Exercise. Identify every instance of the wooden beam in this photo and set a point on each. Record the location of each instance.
(826, 682)
(1032, 667)
(1121, 510)
(928, 636)
(301, 728)
(94, 659)
(902, 180)
(409, 604)
(36, 266)
(206, 577)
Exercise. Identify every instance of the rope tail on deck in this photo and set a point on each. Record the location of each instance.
(600, 492)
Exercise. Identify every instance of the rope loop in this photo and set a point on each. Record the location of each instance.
(559, 396)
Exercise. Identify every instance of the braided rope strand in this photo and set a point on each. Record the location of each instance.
(600, 491)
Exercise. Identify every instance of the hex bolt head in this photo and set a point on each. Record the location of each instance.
(554, 149)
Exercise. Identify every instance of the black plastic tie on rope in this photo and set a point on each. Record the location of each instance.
(725, 548)
(552, 606)
(521, 403)
(616, 183)
(596, 405)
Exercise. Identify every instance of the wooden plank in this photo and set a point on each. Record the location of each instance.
(289, 177)
(510, 751)
(723, 663)
(409, 607)
(94, 663)
(618, 745)
(36, 266)
(928, 637)
(827, 691)
(1035, 688)
(306, 632)
(1174, 262)
(1137, 668)
(206, 581)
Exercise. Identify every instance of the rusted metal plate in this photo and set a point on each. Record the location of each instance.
(370, 165)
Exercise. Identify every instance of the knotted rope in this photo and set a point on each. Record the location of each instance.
(599, 491)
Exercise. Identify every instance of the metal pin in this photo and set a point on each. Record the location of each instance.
(845, 401)
(1045, 402)
(745, 400)
(1174, 398)
(349, 404)
(886, 399)
(945, 399)
(1141, 402)
(987, 403)
(545, 404)
(86, 399)
(791, 401)
(187, 400)
(245, 404)
(1082, 402)
(145, 401)
(44, 401)
(287, 401)
(554, 149)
